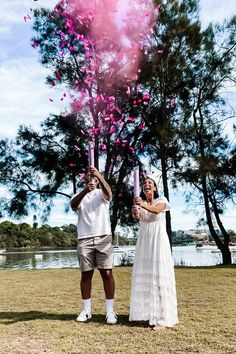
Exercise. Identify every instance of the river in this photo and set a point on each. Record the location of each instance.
(46, 259)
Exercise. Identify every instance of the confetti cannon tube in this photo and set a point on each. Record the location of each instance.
(136, 181)
(91, 154)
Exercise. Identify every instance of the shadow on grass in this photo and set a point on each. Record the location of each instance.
(12, 317)
(217, 266)
(8, 318)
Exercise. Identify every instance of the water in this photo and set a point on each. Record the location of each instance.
(182, 255)
(190, 256)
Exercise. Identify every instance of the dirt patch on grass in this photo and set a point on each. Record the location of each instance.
(24, 345)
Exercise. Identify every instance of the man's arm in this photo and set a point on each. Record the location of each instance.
(75, 202)
(104, 185)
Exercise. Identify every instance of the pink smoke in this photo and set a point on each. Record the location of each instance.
(119, 29)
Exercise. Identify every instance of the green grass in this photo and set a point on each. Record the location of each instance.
(38, 310)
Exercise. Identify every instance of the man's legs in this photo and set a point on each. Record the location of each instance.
(108, 283)
(85, 253)
(104, 260)
(86, 284)
(109, 288)
(85, 287)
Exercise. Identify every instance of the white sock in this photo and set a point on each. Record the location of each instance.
(109, 305)
(87, 305)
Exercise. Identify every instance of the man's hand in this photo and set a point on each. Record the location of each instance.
(93, 172)
(90, 186)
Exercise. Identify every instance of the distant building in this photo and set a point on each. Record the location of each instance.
(199, 237)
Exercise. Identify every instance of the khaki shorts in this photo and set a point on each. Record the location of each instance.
(95, 252)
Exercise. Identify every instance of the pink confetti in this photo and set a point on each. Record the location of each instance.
(146, 96)
(141, 125)
(103, 147)
(27, 17)
(111, 130)
(58, 75)
(129, 119)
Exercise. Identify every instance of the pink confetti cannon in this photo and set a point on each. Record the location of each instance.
(91, 154)
(136, 181)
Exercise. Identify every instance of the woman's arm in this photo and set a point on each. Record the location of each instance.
(155, 209)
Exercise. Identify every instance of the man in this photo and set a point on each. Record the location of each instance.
(95, 242)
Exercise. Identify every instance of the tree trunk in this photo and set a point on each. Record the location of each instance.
(224, 248)
(219, 222)
(116, 204)
(226, 255)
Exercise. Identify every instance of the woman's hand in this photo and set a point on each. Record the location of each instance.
(137, 201)
(135, 211)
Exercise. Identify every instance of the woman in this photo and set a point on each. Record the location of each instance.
(153, 291)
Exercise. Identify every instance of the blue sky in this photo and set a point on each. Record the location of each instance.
(25, 97)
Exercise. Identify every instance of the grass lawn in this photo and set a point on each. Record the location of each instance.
(38, 310)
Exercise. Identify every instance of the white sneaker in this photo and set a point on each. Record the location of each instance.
(84, 316)
(111, 318)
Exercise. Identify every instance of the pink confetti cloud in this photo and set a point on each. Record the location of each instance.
(118, 27)
(115, 34)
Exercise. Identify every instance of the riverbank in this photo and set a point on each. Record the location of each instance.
(38, 310)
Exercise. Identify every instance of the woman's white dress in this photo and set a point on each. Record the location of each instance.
(153, 289)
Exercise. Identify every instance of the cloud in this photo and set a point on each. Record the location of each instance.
(4, 30)
(216, 10)
(24, 95)
(14, 10)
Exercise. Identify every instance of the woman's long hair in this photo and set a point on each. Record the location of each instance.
(156, 195)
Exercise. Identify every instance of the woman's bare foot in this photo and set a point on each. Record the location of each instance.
(158, 328)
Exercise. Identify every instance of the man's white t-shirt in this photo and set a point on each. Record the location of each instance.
(93, 215)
